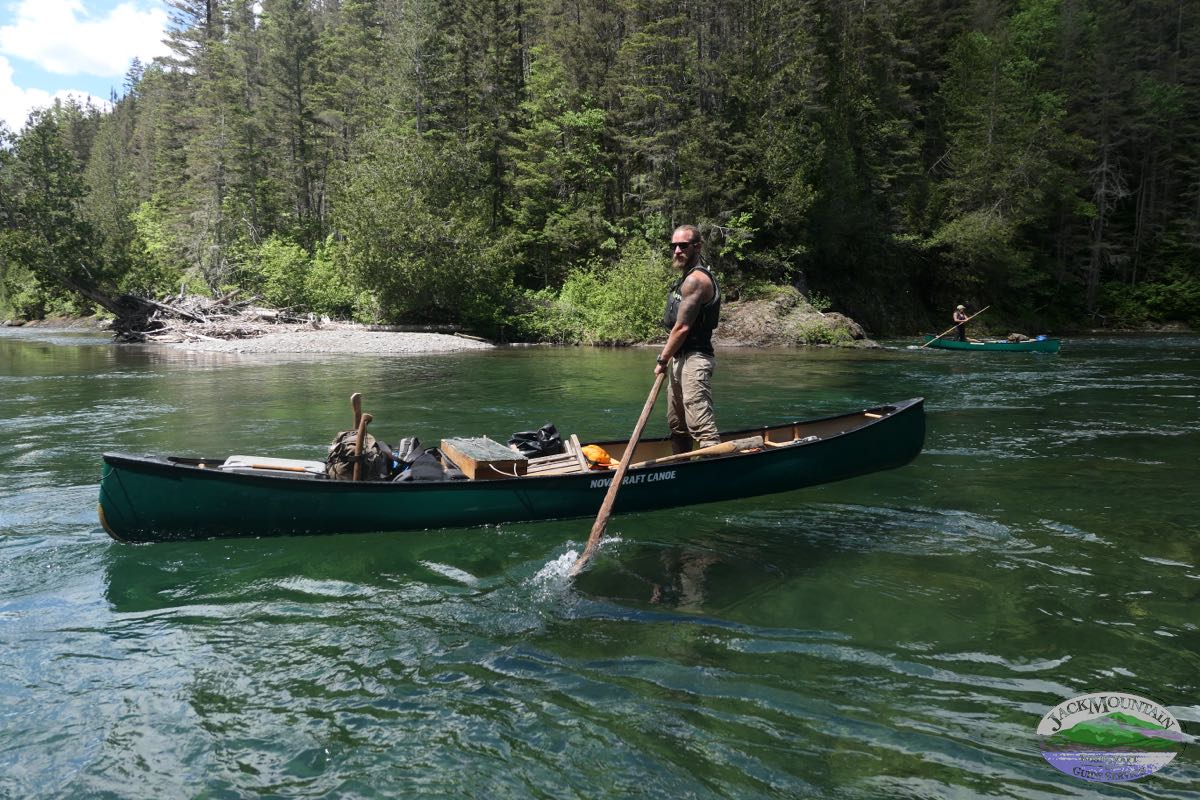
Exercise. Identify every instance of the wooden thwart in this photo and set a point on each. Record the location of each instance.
(576, 449)
(569, 461)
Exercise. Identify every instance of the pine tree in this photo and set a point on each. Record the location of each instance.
(48, 237)
(559, 176)
(290, 60)
(653, 90)
(1009, 154)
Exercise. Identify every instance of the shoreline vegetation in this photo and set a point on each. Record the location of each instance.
(784, 319)
(516, 167)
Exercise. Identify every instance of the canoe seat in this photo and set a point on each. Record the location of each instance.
(262, 465)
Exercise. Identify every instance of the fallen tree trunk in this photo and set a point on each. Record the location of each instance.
(183, 317)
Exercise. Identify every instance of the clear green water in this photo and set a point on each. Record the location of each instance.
(898, 635)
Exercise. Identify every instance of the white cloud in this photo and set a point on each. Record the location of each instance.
(61, 37)
(16, 103)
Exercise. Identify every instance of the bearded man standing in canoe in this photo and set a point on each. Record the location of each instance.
(693, 310)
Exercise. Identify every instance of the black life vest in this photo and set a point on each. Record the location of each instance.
(699, 338)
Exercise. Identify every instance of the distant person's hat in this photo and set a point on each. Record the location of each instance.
(961, 308)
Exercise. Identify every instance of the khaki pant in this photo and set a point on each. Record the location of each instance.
(689, 401)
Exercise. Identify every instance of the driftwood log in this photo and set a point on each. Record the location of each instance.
(185, 318)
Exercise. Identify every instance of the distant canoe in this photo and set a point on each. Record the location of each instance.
(1027, 346)
(156, 499)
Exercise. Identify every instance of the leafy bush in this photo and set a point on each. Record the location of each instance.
(819, 301)
(328, 290)
(27, 302)
(283, 268)
(619, 303)
(152, 259)
(820, 332)
(1119, 304)
(622, 303)
(1176, 298)
(542, 318)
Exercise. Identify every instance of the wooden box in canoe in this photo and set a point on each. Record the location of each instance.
(999, 346)
(168, 498)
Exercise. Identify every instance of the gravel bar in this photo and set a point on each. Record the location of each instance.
(340, 340)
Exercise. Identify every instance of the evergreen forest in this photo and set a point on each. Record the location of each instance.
(517, 166)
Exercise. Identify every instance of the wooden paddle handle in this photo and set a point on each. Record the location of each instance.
(356, 405)
(610, 497)
(360, 434)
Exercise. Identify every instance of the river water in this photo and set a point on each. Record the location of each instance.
(896, 635)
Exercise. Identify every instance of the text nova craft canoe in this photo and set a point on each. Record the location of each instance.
(157, 499)
(1027, 346)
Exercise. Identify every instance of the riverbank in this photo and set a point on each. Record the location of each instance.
(783, 319)
(305, 338)
(340, 339)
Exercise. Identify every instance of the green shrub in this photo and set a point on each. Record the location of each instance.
(283, 267)
(820, 332)
(618, 303)
(542, 318)
(153, 263)
(28, 302)
(621, 303)
(819, 301)
(1120, 306)
(1175, 298)
(327, 288)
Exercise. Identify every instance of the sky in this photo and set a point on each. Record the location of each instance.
(56, 48)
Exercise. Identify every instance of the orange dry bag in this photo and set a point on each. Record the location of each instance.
(597, 456)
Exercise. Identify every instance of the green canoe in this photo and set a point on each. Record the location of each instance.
(157, 499)
(1027, 346)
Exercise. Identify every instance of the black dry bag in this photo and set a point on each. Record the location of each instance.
(545, 441)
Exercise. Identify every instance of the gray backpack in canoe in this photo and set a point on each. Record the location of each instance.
(339, 464)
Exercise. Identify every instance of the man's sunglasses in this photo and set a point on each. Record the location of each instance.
(684, 245)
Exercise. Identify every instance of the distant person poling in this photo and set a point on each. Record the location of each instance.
(959, 324)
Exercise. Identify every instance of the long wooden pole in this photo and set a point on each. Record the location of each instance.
(611, 496)
(722, 449)
(952, 327)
